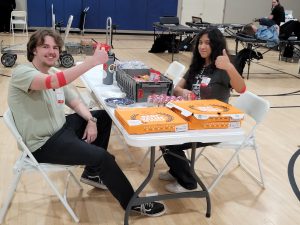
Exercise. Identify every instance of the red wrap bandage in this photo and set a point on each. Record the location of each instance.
(61, 79)
(243, 90)
(48, 82)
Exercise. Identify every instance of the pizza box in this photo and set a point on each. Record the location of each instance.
(207, 114)
(150, 120)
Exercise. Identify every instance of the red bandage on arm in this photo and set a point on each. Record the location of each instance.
(243, 90)
(61, 79)
(48, 82)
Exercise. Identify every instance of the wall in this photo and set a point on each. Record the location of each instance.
(241, 11)
(21, 4)
(236, 11)
(209, 10)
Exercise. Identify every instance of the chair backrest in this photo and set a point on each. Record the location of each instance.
(253, 105)
(68, 27)
(175, 71)
(196, 19)
(169, 20)
(10, 123)
(19, 14)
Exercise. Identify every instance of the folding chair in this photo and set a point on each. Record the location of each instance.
(27, 162)
(18, 18)
(255, 107)
(175, 72)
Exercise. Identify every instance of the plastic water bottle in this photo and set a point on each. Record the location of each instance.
(109, 69)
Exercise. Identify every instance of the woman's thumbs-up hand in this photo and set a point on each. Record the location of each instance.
(223, 61)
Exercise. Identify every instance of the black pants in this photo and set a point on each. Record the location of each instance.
(266, 22)
(4, 20)
(180, 168)
(67, 147)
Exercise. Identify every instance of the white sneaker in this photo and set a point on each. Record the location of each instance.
(177, 188)
(166, 176)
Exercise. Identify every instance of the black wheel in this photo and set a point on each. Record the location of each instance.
(8, 59)
(66, 60)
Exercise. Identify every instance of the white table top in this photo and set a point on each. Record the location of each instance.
(93, 81)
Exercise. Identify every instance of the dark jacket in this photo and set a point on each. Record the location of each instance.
(278, 14)
(7, 5)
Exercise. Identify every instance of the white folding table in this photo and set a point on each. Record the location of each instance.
(93, 81)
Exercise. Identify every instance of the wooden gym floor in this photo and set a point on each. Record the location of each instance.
(236, 200)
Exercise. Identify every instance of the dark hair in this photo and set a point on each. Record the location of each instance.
(217, 43)
(38, 38)
(248, 30)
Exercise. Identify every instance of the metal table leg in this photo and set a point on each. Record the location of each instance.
(136, 200)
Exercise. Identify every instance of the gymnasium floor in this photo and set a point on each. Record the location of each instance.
(236, 200)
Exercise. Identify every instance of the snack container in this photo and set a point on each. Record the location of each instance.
(138, 90)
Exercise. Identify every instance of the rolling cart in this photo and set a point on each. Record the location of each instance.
(9, 54)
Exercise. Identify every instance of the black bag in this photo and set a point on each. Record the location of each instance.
(288, 28)
(163, 42)
(288, 52)
(242, 56)
(187, 44)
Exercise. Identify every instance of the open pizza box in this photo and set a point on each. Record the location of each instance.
(207, 114)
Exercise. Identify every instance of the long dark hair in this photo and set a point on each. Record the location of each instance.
(217, 44)
(38, 38)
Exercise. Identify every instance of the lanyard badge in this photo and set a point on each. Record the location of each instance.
(205, 81)
(60, 97)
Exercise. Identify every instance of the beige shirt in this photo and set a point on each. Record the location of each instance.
(38, 114)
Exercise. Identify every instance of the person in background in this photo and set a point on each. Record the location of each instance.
(37, 96)
(211, 75)
(6, 7)
(276, 17)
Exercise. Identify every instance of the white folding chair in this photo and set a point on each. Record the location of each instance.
(27, 162)
(255, 107)
(175, 72)
(18, 18)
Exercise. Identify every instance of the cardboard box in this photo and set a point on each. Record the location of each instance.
(150, 120)
(207, 114)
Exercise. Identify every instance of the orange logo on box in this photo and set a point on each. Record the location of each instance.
(159, 117)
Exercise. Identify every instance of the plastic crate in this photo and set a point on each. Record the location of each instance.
(73, 48)
(139, 91)
(87, 49)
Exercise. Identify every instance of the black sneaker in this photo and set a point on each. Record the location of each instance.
(93, 181)
(150, 209)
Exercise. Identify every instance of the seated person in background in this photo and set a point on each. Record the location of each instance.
(276, 17)
(37, 96)
(211, 75)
